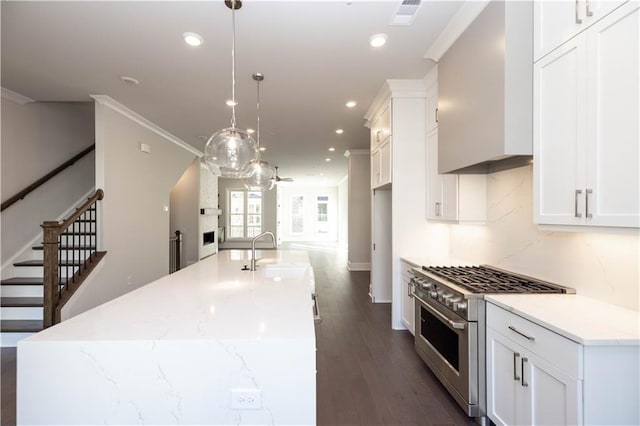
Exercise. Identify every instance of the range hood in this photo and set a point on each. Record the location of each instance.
(485, 93)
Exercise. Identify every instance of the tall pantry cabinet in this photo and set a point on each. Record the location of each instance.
(586, 109)
(397, 122)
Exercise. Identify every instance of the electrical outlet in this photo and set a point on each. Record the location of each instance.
(246, 399)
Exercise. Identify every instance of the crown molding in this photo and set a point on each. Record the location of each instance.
(395, 88)
(15, 97)
(134, 116)
(458, 24)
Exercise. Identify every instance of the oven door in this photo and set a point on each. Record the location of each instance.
(448, 347)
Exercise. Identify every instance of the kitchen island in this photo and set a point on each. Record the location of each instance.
(210, 344)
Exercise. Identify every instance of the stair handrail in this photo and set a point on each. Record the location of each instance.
(57, 292)
(20, 195)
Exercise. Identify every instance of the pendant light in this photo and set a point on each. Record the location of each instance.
(229, 151)
(259, 175)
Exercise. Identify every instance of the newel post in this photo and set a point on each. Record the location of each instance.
(50, 231)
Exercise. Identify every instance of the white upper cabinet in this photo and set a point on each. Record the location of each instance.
(559, 20)
(381, 147)
(586, 133)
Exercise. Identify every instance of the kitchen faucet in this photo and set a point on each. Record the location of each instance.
(253, 246)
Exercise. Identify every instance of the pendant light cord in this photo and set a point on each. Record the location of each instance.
(258, 126)
(233, 63)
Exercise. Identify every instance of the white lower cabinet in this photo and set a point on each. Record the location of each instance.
(408, 304)
(525, 389)
(536, 376)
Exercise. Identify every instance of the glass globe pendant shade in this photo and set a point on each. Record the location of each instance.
(260, 176)
(229, 152)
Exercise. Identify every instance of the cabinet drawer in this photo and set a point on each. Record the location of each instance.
(405, 269)
(552, 347)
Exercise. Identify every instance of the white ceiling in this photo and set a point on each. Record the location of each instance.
(314, 54)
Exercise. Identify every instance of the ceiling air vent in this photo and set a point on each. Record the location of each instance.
(406, 12)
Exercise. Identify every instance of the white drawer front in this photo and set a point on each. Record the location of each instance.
(554, 348)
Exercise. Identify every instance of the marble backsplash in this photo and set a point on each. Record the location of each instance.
(600, 265)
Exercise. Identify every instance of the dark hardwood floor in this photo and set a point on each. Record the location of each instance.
(8, 387)
(368, 374)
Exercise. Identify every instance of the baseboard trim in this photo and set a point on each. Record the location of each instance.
(358, 266)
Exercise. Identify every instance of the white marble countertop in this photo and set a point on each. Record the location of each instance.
(584, 320)
(211, 299)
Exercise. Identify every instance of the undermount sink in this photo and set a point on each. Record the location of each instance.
(284, 270)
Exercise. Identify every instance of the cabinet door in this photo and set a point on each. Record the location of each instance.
(432, 107)
(385, 162)
(559, 131)
(375, 169)
(408, 309)
(503, 379)
(555, 22)
(434, 180)
(550, 396)
(450, 197)
(613, 136)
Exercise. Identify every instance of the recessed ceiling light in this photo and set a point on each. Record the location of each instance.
(129, 80)
(230, 102)
(327, 159)
(339, 131)
(332, 149)
(192, 39)
(250, 131)
(378, 40)
(351, 104)
(263, 148)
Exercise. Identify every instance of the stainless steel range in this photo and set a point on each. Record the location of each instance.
(450, 324)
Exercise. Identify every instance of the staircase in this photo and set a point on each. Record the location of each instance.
(22, 301)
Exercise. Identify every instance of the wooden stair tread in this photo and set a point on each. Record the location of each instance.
(21, 302)
(22, 281)
(21, 326)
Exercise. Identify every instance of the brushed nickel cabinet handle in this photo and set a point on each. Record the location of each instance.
(589, 11)
(576, 214)
(586, 203)
(437, 209)
(516, 355)
(515, 330)
(409, 288)
(523, 383)
(578, 20)
(436, 115)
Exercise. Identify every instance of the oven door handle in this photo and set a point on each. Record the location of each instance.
(452, 324)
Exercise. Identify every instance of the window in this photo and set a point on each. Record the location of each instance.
(297, 214)
(322, 214)
(245, 214)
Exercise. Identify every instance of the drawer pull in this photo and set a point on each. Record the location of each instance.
(524, 384)
(515, 330)
(575, 207)
(516, 355)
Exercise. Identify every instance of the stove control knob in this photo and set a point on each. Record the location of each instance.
(433, 294)
(459, 306)
(452, 301)
(445, 298)
(426, 285)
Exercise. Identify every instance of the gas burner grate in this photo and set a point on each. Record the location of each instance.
(484, 279)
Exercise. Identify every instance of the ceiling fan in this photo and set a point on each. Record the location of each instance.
(279, 179)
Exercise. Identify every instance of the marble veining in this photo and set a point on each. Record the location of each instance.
(172, 352)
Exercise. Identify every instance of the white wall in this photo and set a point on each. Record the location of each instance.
(184, 212)
(359, 215)
(269, 222)
(309, 195)
(134, 223)
(599, 265)
(343, 213)
(37, 137)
